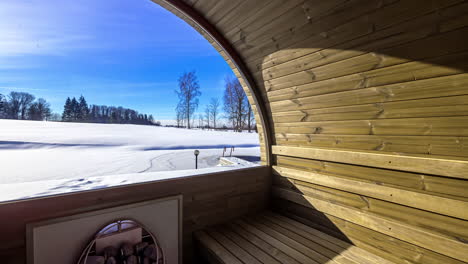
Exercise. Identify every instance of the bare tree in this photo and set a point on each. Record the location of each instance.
(235, 103)
(14, 103)
(229, 101)
(200, 120)
(55, 117)
(25, 101)
(180, 114)
(241, 104)
(214, 111)
(39, 110)
(3, 106)
(189, 91)
(250, 117)
(207, 116)
(43, 108)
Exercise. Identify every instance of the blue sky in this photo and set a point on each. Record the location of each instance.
(114, 52)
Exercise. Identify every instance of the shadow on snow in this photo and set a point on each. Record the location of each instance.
(34, 145)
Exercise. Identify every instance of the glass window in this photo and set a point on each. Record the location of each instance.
(96, 94)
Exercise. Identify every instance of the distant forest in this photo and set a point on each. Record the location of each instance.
(24, 106)
(234, 107)
(79, 111)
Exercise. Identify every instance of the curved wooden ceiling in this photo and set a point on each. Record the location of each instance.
(364, 105)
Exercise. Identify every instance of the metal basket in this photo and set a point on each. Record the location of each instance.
(118, 227)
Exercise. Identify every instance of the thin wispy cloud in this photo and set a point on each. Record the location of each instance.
(114, 52)
(31, 27)
(15, 88)
(59, 28)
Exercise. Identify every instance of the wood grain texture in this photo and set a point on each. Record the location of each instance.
(380, 244)
(365, 106)
(432, 145)
(456, 168)
(270, 238)
(207, 199)
(367, 102)
(445, 245)
(429, 221)
(428, 202)
(439, 186)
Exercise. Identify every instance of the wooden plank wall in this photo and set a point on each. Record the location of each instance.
(368, 103)
(207, 199)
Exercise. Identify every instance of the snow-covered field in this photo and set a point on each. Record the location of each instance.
(41, 156)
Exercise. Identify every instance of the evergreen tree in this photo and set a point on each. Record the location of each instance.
(67, 111)
(78, 110)
(75, 109)
(83, 110)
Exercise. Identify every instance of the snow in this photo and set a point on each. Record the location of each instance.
(38, 156)
(235, 161)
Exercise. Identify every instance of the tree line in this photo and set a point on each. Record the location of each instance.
(78, 111)
(237, 109)
(24, 106)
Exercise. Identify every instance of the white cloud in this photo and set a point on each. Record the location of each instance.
(58, 28)
(35, 28)
(15, 64)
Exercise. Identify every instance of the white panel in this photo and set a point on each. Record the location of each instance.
(62, 240)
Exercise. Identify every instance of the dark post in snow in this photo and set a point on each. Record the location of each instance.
(196, 152)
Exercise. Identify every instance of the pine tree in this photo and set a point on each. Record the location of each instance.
(83, 110)
(75, 109)
(67, 111)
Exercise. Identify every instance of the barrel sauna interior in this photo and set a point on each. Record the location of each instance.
(362, 112)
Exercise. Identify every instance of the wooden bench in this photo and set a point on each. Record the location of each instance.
(273, 239)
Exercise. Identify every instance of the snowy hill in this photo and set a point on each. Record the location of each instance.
(38, 151)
